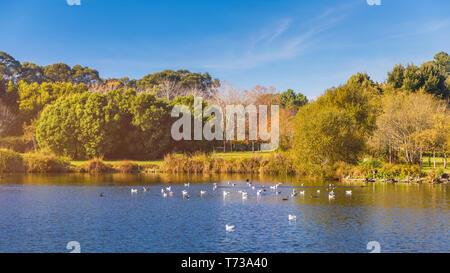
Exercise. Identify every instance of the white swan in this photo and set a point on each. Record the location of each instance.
(186, 184)
(225, 193)
(348, 192)
(302, 192)
(134, 190)
(331, 196)
(244, 195)
(318, 191)
(202, 192)
(144, 189)
(292, 217)
(169, 188)
(229, 228)
(184, 192)
(294, 193)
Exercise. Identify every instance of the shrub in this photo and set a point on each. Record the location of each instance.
(342, 170)
(279, 163)
(126, 167)
(96, 165)
(372, 163)
(17, 144)
(41, 163)
(400, 171)
(10, 162)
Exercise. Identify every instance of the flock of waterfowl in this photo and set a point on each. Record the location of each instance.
(260, 190)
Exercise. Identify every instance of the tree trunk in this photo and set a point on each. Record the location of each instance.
(445, 160)
(390, 154)
(420, 159)
(434, 160)
(429, 159)
(406, 154)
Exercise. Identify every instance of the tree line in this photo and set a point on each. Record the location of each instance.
(72, 111)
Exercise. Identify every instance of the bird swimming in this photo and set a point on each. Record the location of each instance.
(293, 194)
(292, 217)
(348, 192)
(229, 228)
(134, 190)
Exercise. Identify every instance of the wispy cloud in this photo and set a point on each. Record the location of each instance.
(437, 25)
(279, 41)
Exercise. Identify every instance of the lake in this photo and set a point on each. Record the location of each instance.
(42, 213)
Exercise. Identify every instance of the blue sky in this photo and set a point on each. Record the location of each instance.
(308, 46)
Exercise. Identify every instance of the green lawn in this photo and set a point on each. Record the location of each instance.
(241, 154)
(156, 162)
(439, 163)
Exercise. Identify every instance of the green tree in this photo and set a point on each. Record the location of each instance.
(396, 77)
(59, 72)
(9, 67)
(337, 126)
(33, 97)
(31, 72)
(84, 75)
(288, 98)
(180, 82)
(119, 124)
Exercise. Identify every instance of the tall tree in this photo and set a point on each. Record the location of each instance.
(9, 67)
(59, 72)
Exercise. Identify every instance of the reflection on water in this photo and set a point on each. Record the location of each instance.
(42, 213)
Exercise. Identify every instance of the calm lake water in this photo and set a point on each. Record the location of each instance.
(42, 213)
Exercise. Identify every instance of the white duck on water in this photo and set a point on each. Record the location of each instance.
(229, 227)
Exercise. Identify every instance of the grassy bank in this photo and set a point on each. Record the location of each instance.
(269, 163)
(13, 162)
